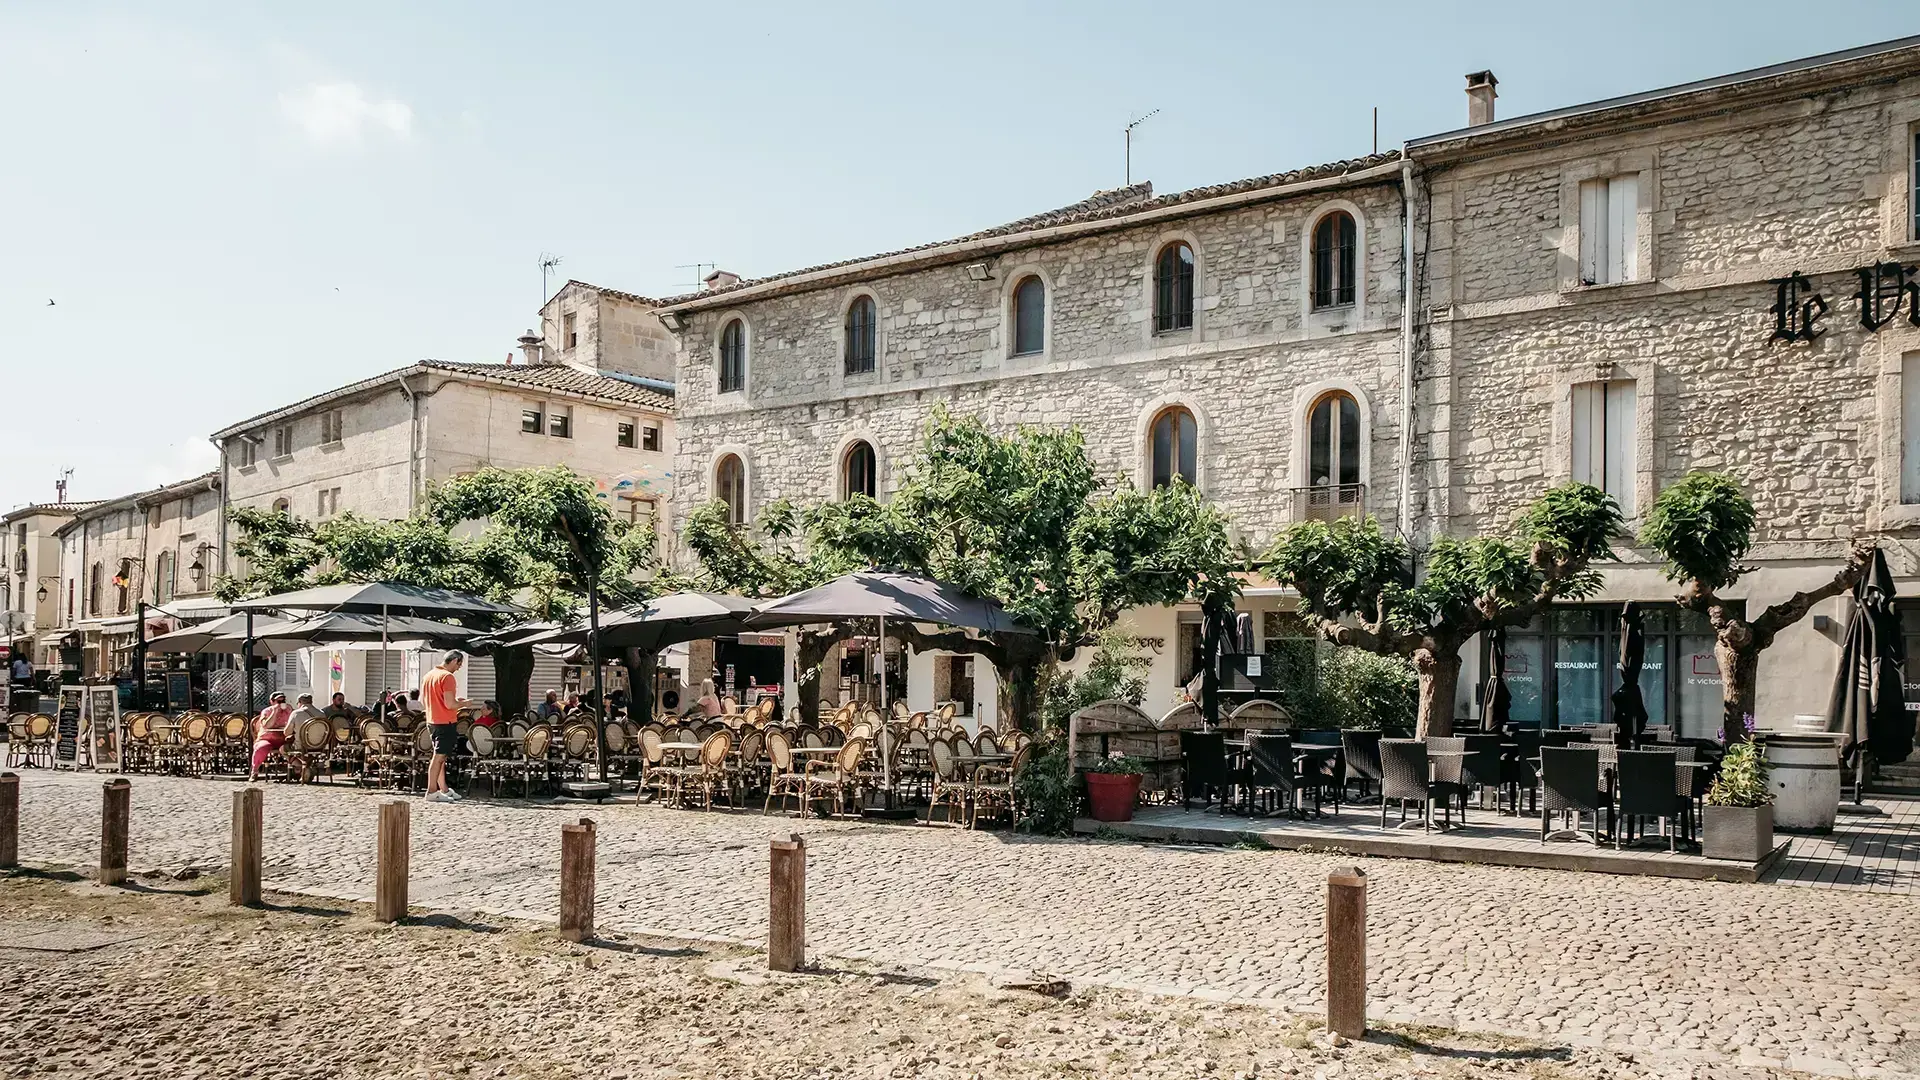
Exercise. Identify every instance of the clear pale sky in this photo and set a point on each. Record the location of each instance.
(233, 206)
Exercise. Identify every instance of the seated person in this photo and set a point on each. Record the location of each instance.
(489, 714)
(550, 708)
(338, 709)
(572, 706)
(303, 712)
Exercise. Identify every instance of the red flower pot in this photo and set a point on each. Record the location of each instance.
(1112, 795)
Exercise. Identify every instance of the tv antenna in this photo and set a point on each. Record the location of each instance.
(60, 485)
(1136, 122)
(548, 261)
(700, 272)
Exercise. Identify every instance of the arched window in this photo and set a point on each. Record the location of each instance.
(94, 579)
(282, 506)
(733, 357)
(1173, 442)
(1333, 446)
(1029, 316)
(858, 474)
(163, 578)
(730, 486)
(861, 333)
(1173, 288)
(1333, 260)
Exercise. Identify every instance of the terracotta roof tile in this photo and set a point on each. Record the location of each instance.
(1116, 203)
(604, 291)
(563, 377)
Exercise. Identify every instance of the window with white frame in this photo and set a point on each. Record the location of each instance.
(1604, 436)
(330, 426)
(1910, 428)
(283, 440)
(567, 328)
(634, 510)
(626, 435)
(246, 452)
(650, 437)
(560, 423)
(1610, 230)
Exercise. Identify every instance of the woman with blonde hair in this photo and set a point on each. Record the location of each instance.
(709, 704)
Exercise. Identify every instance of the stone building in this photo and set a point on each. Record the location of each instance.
(1599, 302)
(31, 590)
(1244, 336)
(373, 447)
(160, 547)
(606, 330)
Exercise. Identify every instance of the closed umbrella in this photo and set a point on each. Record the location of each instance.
(1869, 699)
(1496, 698)
(1629, 707)
(217, 636)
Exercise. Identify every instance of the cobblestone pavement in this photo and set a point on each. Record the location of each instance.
(1757, 974)
(165, 985)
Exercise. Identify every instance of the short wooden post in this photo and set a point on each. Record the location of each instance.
(9, 821)
(1347, 952)
(787, 911)
(390, 872)
(243, 880)
(116, 812)
(576, 880)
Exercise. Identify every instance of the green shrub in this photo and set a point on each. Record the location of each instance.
(1120, 765)
(1743, 778)
(1354, 688)
(1049, 788)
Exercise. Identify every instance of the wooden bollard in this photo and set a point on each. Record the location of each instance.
(1347, 952)
(116, 812)
(787, 911)
(249, 814)
(9, 821)
(390, 871)
(576, 880)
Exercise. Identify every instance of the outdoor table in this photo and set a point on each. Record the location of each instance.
(814, 749)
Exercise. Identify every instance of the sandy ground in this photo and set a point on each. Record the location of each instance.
(162, 979)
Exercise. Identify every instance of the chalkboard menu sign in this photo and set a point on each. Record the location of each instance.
(67, 735)
(179, 690)
(103, 720)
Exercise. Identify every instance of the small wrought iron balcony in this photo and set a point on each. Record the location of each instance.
(1329, 501)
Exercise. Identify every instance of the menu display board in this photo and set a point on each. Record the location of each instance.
(103, 722)
(179, 690)
(69, 736)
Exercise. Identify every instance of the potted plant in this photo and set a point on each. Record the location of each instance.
(1113, 785)
(1738, 820)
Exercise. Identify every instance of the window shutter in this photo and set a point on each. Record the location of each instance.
(1593, 231)
(1910, 428)
(1621, 399)
(480, 680)
(1623, 228)
(1588, 399)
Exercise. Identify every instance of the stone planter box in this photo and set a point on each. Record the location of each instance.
(1736, 833)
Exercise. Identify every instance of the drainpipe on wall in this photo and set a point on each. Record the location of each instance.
(225, 487)
(413, 445)
(1406, 347)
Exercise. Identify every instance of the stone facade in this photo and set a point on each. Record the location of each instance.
(603, 328)
(375, 447)
(32, 551)
(164, 544)
(1738, 186)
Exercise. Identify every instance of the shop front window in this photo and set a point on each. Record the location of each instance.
(1679, 679)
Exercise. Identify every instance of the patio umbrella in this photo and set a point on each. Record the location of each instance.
(1869, 698)
(884, 595)
(1497, 699)
(379, 597)
(337, 627)
(661, 621)
(1629, 707)
(198, 638)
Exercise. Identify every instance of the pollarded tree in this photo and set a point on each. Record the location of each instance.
(1365, 589)
(1703, 526)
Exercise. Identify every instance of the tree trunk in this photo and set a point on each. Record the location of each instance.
(512, 667)
(1739, 678)
(810, 651)
(1439, 670)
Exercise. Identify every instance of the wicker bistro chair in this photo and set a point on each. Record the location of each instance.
(839, 776)
(1688, 787)
(709, 771)
(946, 781)
(1570, 783)
(1482, 766)
(782, 778)
(20, 740)
(1408, 775)
(1270, 772)
(746, 766)
(1203, 758)
(1361, 749)
(1646, 780)
(997, 788)
(309, 749)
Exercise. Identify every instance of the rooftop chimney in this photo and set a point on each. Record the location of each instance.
(1480, 95)
(530, 347)
(720, 279)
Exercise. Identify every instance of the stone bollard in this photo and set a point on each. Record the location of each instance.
(787, 911)
(9, 821)
(390, 871)
(576, 880)
(249, 816)
(116, 812)
(1347, 953)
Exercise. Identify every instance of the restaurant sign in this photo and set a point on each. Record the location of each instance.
(1885, 290)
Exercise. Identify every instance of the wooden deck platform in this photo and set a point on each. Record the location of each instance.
(1878, 849)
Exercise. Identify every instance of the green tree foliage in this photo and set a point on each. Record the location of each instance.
(1022, 519)
(521, 551)
(1702, 527)
(1367, 590)
(1354, 688)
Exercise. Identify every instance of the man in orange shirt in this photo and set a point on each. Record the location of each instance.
(437, 694)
